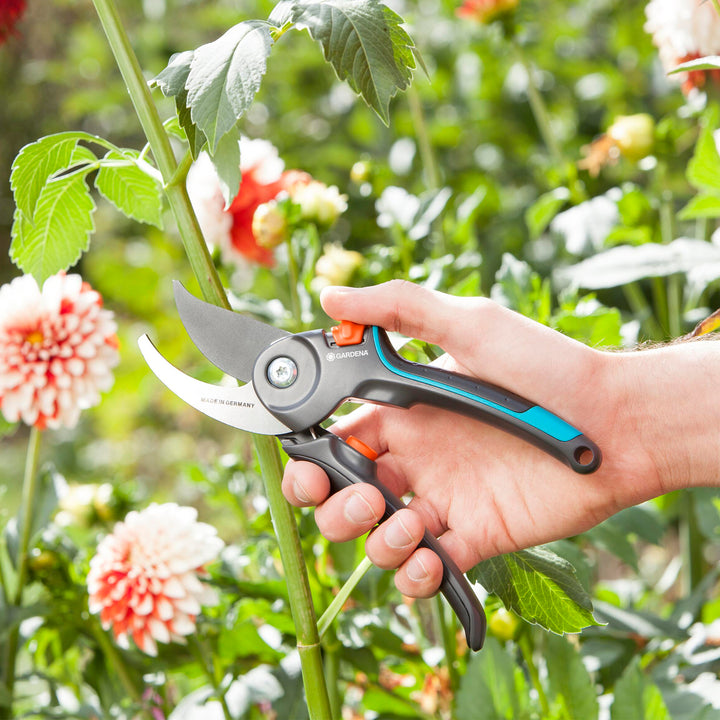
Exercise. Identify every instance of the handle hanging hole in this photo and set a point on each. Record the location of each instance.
(584, 455)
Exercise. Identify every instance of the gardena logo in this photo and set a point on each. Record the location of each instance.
(330, 357)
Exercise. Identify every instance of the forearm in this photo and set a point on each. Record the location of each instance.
(668, 403)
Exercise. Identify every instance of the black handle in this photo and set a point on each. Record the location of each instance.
(407, 383)
(346, 466)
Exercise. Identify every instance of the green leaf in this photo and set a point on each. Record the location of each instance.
(130, 189)
(702, 206)
(569, 680)
(636, 698)
(494, 684)
(172, 81)
(539, 586)
(703, 170)
(709, 62)
(544, 209)
(226, 160)
(364, 42)
(223, 78)
(61, 231)
(37, 162)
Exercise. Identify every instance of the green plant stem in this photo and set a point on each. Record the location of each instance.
(527, 653)
(691, 542)
(332, 669)
(542, 120)
(162, 151)
(449, 643)
(28, 502)
(340, 599)
(430, 167)
(641, 308)
(301, 606)
(211, 674)
(115, 660)
(716, 4)
(204, 270)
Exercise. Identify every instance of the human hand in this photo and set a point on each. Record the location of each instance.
(480, 490)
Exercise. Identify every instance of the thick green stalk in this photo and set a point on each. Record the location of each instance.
(162, 151)
(301, 606)
(204, 270)
(28, 501)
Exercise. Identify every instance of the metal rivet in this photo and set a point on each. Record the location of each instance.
(282, 372)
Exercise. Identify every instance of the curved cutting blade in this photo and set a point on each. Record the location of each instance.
(238, 407)
(230, 341)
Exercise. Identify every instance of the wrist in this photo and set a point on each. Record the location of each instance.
(668, 408)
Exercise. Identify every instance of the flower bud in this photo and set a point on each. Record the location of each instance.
(633, 135)
(504, 624)
(360, 172)
(336, 265)
(319, 203)
(269, 225)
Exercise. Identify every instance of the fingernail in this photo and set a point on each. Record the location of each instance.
(416, 571)
(397, 535)
(358, 510)
(301, 492)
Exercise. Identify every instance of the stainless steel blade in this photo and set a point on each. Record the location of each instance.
(227, 339)
(238, 407)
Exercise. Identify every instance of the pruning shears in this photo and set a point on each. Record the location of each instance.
(293, 382)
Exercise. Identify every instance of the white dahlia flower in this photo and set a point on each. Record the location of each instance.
(683, 30)
(144, 580)
(57, 348)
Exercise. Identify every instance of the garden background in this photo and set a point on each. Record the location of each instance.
(543, 157)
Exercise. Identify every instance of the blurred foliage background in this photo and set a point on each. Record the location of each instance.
(467, 125)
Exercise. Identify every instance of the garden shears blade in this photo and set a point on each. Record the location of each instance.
(296, 381)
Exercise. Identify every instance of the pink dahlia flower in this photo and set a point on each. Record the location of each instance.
(684, 30)
(263, 179)
(57, 347)
(144, 580)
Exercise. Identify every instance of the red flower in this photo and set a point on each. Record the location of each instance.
(262, 180)
(10, 13)
(485, 10)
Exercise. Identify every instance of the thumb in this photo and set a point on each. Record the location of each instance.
(492, 342)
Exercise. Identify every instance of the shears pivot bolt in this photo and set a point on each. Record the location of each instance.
(282, 372)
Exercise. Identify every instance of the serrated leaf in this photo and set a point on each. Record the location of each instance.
(570, 680)
(36, 163)
(61, 231)
(172, 79)
(131, 190)
(227, 164)
(364, 42)
(224, 77)
(539, 586)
